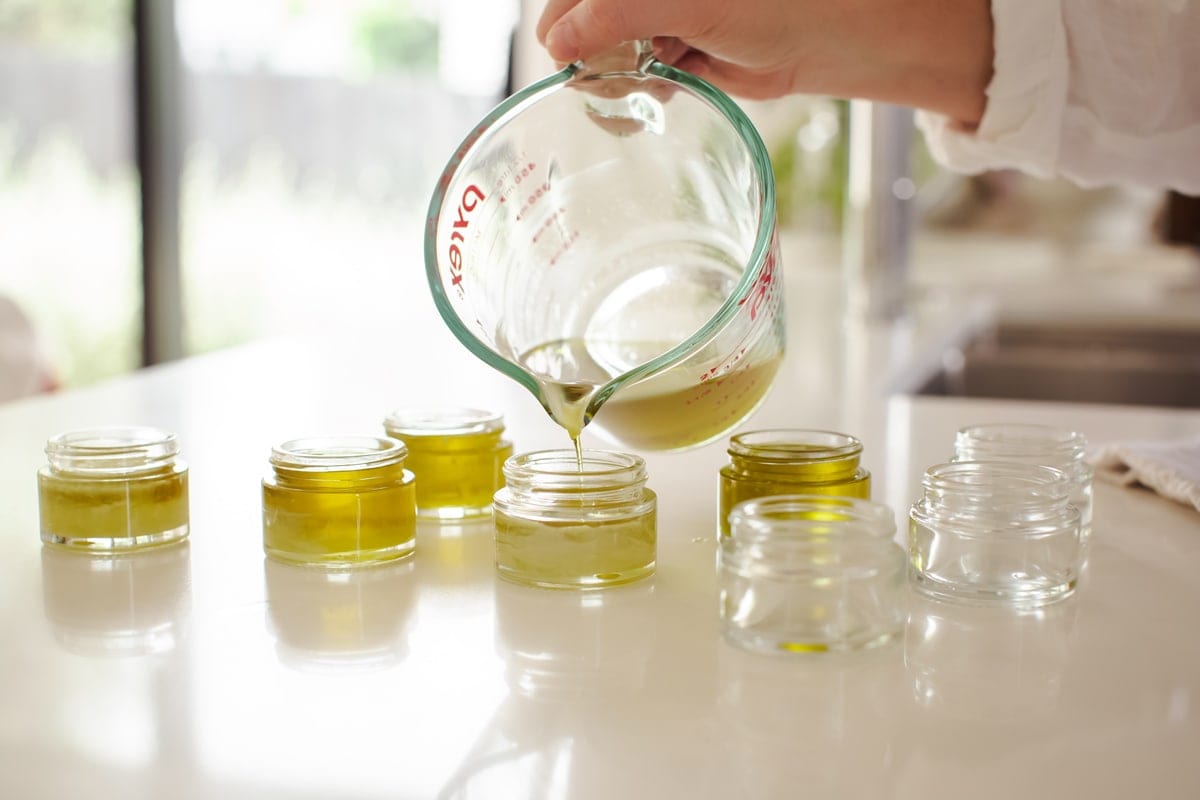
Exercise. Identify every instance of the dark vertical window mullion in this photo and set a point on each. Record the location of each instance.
(159, 142)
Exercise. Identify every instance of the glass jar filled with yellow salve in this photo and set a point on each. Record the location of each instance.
(339, 502)
(791, 461)
(458, 456)
(113, 489)
(564, 522)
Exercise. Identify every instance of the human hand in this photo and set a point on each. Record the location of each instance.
(747, 51)
(934, 54)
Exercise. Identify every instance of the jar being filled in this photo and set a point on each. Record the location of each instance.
(111, 489)
(563, 523)
(809, 574)
(993, 532)
(339, 501)
(1034, 444)
(778, 462)
(457, 455)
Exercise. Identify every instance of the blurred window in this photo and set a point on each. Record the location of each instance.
(69, 225)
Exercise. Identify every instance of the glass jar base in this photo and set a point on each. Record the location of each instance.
(357, 559)
(784, 645)
(1019, 592)
(114, 544)
(601, 580)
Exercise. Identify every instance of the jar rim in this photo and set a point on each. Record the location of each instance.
(333, 453)
(1015, 481)
(792, 444)
(551, 469)
(798, 516)
(113, 449)
(433, 421)
(110, 440)
(1018, 439)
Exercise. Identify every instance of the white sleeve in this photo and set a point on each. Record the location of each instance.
(1098, 91)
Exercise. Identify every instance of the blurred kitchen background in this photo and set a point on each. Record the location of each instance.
(178, 177)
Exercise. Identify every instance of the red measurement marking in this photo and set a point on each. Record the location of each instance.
(764, 286)
(550, 220)
(564, 247)
(531, 201)
(516, 174)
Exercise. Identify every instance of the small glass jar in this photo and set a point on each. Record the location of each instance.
(803, 574)
(777, 462)
(560, 524)
(113, 489)
(339, 502)
(1034, 444)
(458, 456)
(995, 533)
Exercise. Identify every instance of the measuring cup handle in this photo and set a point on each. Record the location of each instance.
(632, 57)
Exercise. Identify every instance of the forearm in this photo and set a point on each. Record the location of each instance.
(1099, 91)
(931, 54)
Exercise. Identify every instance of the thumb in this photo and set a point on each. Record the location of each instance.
(595, 26)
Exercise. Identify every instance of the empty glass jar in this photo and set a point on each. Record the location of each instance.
(458, 456)
(1034, 444)
(113, 489)
(777, 462)
(339, 501)
(994, 532)
(811, 574)
(565, 524)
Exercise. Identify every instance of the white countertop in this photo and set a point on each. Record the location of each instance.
(206, 672)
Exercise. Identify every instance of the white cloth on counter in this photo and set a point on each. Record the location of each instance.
(1170, 468)
(1098, 91)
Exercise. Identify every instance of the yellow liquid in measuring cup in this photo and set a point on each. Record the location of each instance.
(657, 419)
(688, 416)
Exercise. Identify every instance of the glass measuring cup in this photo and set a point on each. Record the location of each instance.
(606, 237)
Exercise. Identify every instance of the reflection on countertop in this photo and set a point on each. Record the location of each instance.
(827, 723)
(130, 604)
(986, 663)
(325, 620)
(574, 662)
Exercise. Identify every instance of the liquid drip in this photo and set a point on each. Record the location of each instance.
(569, 376)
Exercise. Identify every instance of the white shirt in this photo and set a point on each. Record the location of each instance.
(1098, 91)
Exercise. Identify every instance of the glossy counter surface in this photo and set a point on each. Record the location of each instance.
(204, 671)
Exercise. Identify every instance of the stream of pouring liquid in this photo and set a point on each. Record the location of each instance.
(569, 377)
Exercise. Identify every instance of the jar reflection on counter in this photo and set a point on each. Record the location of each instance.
(113, 489)
(345, 620)
(117, 604)
(339, 502)
(457, 455)
(803, 574)
(778, 462)
(567, 524)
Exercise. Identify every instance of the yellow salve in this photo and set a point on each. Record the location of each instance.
(555, 553)
(111, 489)
(457, 456)
(791, 462)
(339, 502)
(560, 525)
